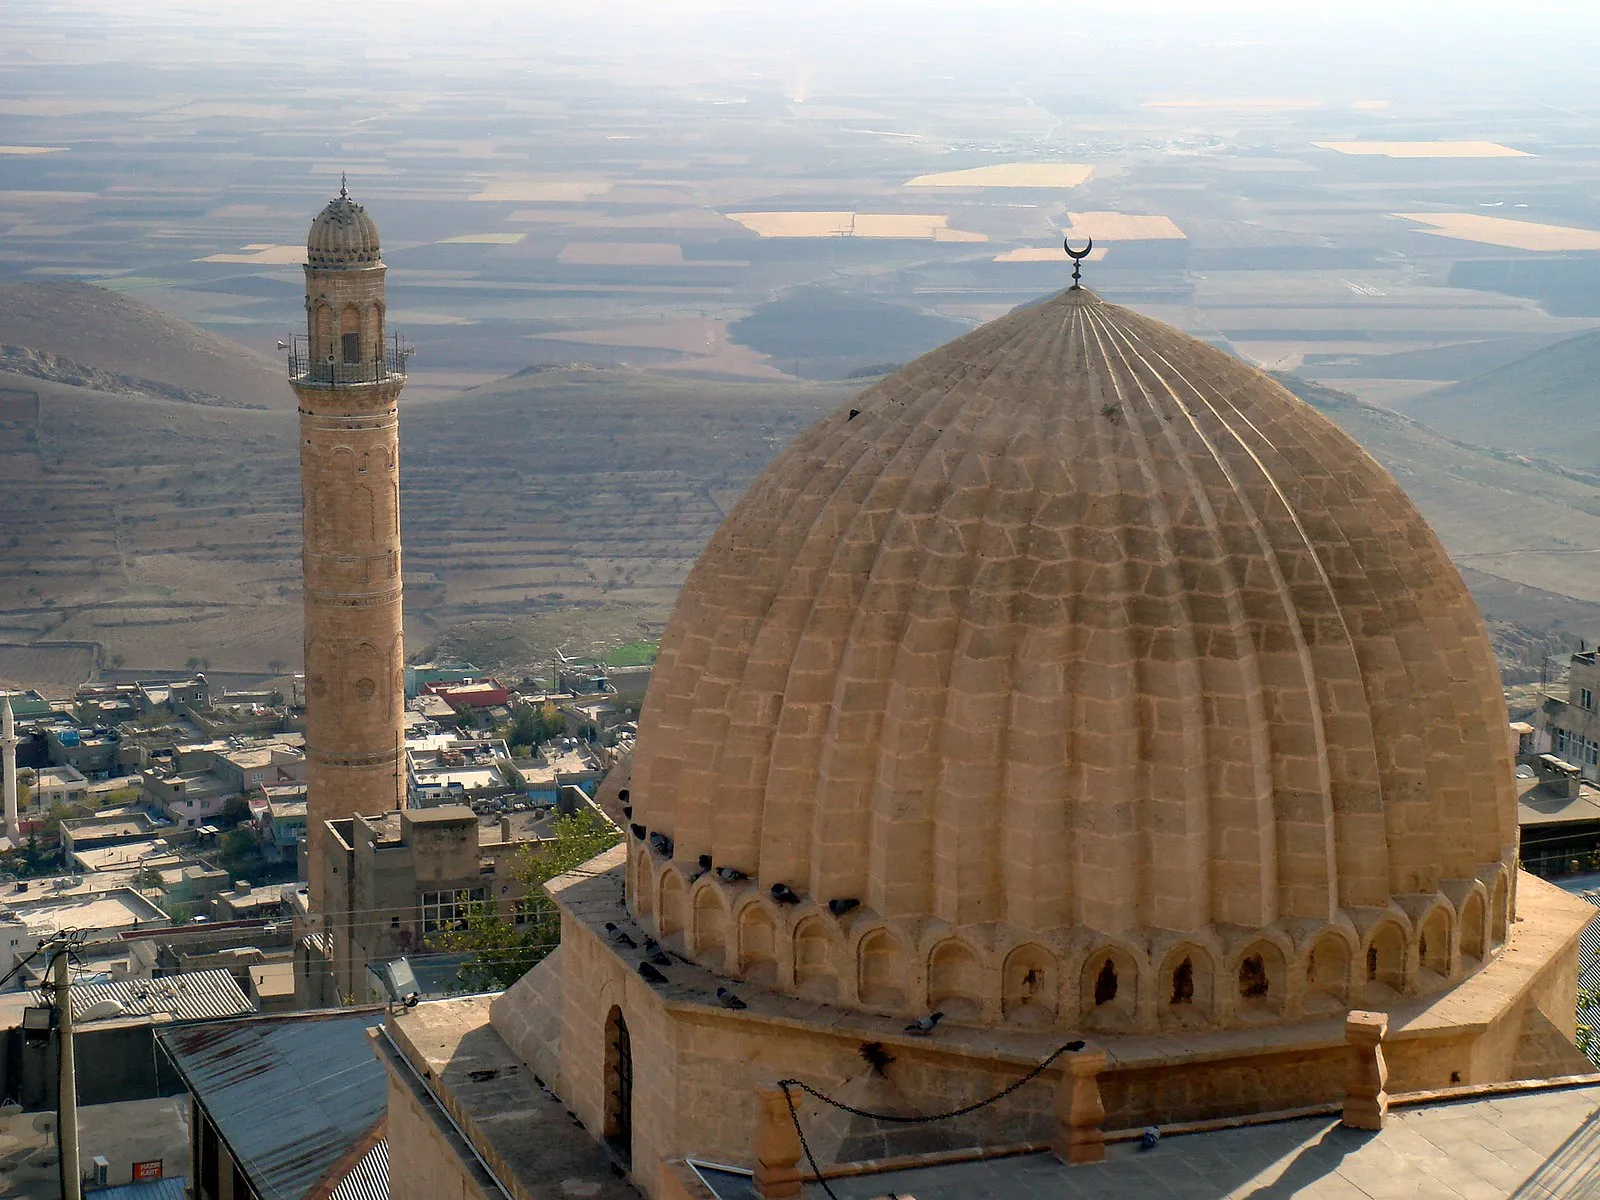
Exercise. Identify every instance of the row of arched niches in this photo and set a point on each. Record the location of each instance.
(991, 975)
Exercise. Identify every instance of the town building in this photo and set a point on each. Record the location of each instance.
(347, 375)
(57, 785)
(405, 877)
(1074, 733)
(1569, 726)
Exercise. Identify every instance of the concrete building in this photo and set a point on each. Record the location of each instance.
(1075, 731)
(1569, 726)
(348, 379)
(58, 785)
(402, 877)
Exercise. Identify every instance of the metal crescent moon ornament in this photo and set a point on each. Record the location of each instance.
(1077, 256)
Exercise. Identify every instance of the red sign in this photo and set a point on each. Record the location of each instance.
(147, 1170)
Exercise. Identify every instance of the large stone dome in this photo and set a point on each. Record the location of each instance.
(1118, 686)
(342, 235)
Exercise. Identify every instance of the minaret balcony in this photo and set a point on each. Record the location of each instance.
(335, 370)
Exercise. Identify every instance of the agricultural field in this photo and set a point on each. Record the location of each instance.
(634, 264)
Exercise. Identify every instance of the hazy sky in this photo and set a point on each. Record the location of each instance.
(1547, 49)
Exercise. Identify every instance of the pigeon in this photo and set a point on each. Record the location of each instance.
(1074, 1046)
(655, 953)
(637, 831)
(784, 894)
(731, 875)
(1151, 1136)
(728, 1000)
(924, 1025)
(650, 975)
(839, 907)
(661, 844)
(619, 936)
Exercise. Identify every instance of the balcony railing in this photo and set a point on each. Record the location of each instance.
(332, 371)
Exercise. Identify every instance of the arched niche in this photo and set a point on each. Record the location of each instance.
(362, 514)
(1433, 948)
(1261, 982)
(643, 881)
(1029, 987)
(674, 902)
(1186, 987)
(880, 971)
(1499, 912)
(710, 929)
(1109, 988)
(816, 973)
(1328, 974)
(955, 985)
(758, 945)
(321, 331)
(349, 351)
(1473, 911)
(1384, 969)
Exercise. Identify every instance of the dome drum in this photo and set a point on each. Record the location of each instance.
(1075, 978)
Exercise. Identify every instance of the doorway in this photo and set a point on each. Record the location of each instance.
(618, 1130)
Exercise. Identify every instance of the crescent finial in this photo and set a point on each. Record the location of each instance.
(1077, 256)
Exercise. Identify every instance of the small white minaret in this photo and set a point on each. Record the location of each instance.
(8, 747)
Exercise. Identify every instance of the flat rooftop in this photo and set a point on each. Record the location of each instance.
(1515, 1145)
(120, 908)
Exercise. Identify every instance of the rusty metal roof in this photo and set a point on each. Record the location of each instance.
(290, 1095)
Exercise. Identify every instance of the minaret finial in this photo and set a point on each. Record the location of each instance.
(344, 190)
(1077, 257)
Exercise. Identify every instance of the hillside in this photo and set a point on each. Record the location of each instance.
(1526, 534)
(90, 336)
(1545, 404)
(555, 508)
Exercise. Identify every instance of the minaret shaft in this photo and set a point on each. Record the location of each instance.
(348, 384)
(8, 749)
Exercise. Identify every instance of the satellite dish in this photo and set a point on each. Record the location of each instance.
(101, 1009)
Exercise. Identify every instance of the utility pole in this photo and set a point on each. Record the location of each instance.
(67, 1080)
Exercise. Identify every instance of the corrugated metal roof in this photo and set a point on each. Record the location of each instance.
(194, 996)
(290, 1095)
(368, 1179)
(173, 1187)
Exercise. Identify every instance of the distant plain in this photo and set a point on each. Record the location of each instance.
(706, 262)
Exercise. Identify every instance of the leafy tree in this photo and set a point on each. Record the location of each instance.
(504, 951)
(536, 724)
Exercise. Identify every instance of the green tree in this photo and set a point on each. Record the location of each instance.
(502, 950)
(536, 724)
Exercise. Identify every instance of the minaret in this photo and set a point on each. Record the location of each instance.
(348, 381)
(8, 750)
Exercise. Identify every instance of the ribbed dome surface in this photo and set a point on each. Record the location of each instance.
(1078, 622)
(342, 235)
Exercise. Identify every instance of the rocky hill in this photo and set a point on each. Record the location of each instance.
(556, 508)
(87, 335)
(1545, 404)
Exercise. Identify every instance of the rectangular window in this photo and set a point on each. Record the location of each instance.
(350, 343)
(448, 909)
(1586, 698)
(1561, 741)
